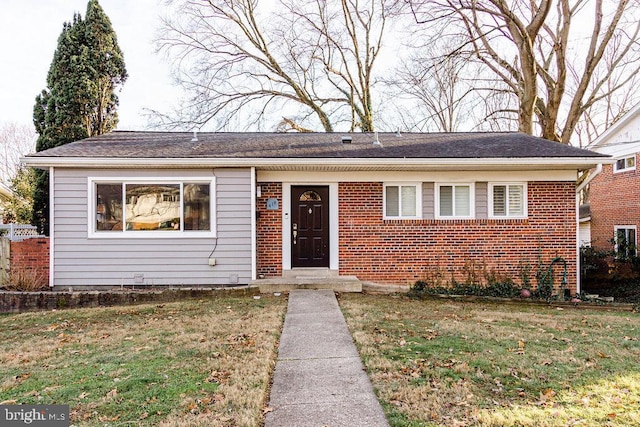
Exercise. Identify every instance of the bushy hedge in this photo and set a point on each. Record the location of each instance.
(501, 289)
(605, 274)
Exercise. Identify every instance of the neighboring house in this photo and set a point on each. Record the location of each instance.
(614, 189)
(222, 209)
(5, 195)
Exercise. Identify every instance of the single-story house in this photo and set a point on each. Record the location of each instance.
(221, 209)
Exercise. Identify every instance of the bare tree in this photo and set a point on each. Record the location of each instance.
(313, 61)
(433, 92)
(439, 89)
(16, 140)
(557, 71)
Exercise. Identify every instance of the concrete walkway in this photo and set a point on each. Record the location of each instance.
(319, 379)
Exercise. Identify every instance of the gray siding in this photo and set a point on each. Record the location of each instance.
(428, 200)
(482, 204)
(81, 261)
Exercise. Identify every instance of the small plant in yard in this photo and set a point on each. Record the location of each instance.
(23, 280)
(190, 363)
(454, 363)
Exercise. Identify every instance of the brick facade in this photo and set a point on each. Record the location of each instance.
(614, 200)
(403, 251)
(31, 257)
(269, 231)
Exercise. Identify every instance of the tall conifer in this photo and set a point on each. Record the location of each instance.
(80, 100)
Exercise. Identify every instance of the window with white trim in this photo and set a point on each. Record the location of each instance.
(402, 201)
(455, 201)
(625, 164)
(625, 241)
(152, 208)
(508, 200)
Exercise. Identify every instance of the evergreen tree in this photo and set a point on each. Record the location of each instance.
(19, 208)
(80, 99)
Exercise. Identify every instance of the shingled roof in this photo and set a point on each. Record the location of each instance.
(476, 145)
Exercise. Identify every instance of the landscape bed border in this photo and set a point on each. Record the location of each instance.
(18, 302)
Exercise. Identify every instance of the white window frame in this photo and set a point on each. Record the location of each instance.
(525, 196)
(150, 234)
(418, 187)
(615, 237)
(625, 168)
(472, 200)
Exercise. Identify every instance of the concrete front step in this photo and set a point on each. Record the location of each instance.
(286, 284)
(310, 273)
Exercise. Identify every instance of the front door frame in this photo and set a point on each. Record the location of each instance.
(333, 222)
(317, 257)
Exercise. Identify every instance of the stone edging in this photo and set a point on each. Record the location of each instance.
(17, 302)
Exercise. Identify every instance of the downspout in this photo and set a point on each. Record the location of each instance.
(51, 227)
(254, 251)
(586, 182)
(581, 187)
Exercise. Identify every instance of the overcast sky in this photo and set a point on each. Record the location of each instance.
(29, 31)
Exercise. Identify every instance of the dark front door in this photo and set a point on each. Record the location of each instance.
(310, 226)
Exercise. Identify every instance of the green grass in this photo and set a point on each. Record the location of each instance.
(451, 363)
(432, 362)
(204, 362)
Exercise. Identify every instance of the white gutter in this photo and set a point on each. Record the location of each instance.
(322, 163)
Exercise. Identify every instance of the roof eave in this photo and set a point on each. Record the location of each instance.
(511, 163)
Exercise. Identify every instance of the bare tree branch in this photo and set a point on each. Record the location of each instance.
(231, 56)
(537, 52)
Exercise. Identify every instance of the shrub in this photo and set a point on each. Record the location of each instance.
(505, 288)
(604, 274)
(25, 281)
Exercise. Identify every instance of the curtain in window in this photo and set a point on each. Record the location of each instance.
(516, 203)
(463, 201)
(446, 200)
(393, 201)
(499, 200)
(408, 201)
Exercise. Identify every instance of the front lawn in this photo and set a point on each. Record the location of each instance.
(443, 362)
(205, 362)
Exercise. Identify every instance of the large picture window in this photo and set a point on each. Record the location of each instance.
(402, 201)
(145, 207)
(508, 200)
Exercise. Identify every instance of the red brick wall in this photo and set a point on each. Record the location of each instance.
(403, 251)
(614, 200)
(269, 231)
(31, 257)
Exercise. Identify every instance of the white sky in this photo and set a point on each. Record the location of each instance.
(29, 31)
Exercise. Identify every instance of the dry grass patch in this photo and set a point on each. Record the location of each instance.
(189, 363)
(443, 362)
